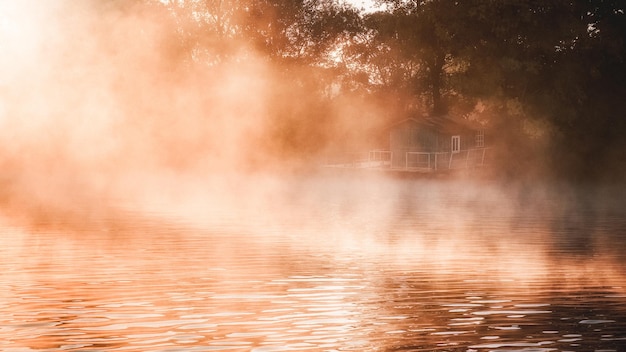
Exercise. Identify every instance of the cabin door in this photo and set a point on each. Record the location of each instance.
(456, 144)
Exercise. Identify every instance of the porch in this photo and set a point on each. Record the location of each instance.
(416, 161)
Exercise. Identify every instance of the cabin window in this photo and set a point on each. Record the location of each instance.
(480, 139)
(456, 144)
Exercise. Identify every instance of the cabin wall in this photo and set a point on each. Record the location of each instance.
(412, 137)
(468, 141)
(399, 145)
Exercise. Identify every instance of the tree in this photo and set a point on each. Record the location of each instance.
(415, 47)
(560, 62)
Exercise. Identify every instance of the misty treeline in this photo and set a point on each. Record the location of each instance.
(547, 78)
(269, 82)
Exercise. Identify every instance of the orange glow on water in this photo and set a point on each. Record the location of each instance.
(161, 194)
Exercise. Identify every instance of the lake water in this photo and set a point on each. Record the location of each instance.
(326, 263)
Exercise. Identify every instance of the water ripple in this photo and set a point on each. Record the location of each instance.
(483, 279)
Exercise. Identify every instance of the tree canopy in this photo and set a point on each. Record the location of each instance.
(511, 64)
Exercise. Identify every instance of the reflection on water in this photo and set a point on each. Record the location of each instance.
(404, 266)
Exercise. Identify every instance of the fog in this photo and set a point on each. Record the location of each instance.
(102, 106)
(101, 100)
(160, 188)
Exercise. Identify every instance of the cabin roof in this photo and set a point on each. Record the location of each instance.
(439, 123)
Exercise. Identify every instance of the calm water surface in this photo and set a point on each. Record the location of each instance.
(328, 264)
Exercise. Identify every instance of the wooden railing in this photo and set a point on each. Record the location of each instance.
(467, 158)
(380, 157)
(413, 161)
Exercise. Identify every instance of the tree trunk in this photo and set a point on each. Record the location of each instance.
(436, 82)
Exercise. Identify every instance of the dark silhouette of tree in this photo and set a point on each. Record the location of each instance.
(557, 62)
(296, 29)
(564, 61)
(561, 62)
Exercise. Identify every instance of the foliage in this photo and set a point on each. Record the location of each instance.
(561, 62)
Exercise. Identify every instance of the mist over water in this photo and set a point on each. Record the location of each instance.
(331, 262)
(153, 202)
(96, 103)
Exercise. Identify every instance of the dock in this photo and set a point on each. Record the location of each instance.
(414, 162)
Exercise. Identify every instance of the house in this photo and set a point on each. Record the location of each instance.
(436, 143)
